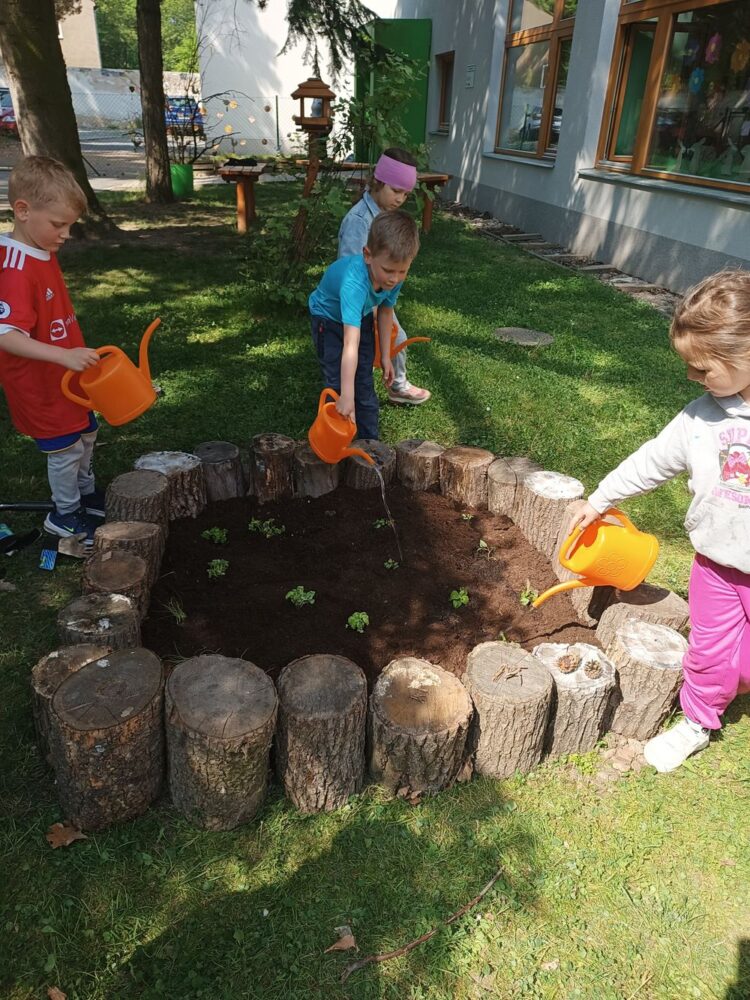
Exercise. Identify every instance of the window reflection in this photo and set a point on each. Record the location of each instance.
(523, 96)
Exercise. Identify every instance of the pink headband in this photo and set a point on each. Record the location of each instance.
(398, 175)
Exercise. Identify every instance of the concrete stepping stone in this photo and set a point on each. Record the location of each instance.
(520, 335)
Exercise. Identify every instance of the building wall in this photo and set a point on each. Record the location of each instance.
(668, 233)
(79, 38)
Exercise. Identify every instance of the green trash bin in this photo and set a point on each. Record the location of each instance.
(182, 179)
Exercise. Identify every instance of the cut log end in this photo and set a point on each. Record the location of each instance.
(312, 476)
(418, 464)
(222, 467)
(186, 478)
(107, 619)
(361, 475)
(272, 457)
(463, 475)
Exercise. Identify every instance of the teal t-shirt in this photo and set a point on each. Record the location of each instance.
(345, 293)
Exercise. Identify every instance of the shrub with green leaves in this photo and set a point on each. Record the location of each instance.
(528, 595)
(299, 596)
(217, 567)
(218, 536)
(459, 597)
(391, 564)
(267, 528)
(358, 621)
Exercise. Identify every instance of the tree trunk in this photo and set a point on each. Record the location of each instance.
(541, 508)
(418, 724)
(139, 496)
(584, 680)
(141, 538)
(512, 694)
(418, 464)
(361, 475)
(273, 466)
(41, 95)
(220, 718)
(505, 477)
(463, 475)
(646, 603)
(104, 619)
(312, 476)
(107, 739)
(158, 179)
(187, 480)
(320, 739)
(222, 467)
(118, 572)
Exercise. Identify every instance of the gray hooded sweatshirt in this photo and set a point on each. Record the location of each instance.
(710, 440)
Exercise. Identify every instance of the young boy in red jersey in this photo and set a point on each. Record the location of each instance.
(40, 337)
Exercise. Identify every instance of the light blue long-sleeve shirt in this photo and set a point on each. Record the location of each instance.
(355, 226)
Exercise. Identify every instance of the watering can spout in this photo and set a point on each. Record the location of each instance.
(559, 589)
(143, 364)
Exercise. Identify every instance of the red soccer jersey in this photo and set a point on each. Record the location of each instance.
(34, 299)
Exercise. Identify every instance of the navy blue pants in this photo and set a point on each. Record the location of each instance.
(328, 340)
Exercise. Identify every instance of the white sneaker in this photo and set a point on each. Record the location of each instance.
(667, 751)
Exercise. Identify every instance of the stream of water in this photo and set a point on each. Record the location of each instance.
(388, 513)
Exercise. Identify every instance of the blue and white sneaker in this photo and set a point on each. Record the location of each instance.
(93, 503)
(69, 525)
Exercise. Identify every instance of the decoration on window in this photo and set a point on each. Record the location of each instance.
(692, 49)
(740, 56)
(696, 81)
(713, 49)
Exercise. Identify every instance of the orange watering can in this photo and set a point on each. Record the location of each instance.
(331, 433)
(377, 363)
(115, 387)
(606, 555)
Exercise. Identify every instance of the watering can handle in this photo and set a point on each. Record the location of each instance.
(327, 393)
(65, 381)
(622, 518)
(410, 340)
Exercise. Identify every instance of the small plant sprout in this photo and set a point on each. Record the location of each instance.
(467, 517)
(528, 595)
(483, 549)
(218, 536)
(382, 522)
(459, 597)
(176, 610)
(217, 568)
(358, 621)
(267, 528)
(391, 564)
(299, 596)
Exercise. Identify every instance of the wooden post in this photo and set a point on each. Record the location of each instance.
(648, 604)
(107, 739)
(648, 660)
(418, 724)
(187, 481)
(360, 475)
(139, 496)
(102, 619)
(273, 467)
(418, 464)
(512, 693)
(584, 680)
(220, 717)
(222, 468)
(118, 572)
(312, 476)
(505, 477)
(541, 508)
(463, 475)
(320, 740)
(141, 538)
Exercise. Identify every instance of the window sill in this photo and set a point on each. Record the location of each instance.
(444, 132)
(526, 161)
(668, 187)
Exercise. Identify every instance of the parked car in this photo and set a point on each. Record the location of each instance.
(533, 122)
(183, 115)
(8, 123)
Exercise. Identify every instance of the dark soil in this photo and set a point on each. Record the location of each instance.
(331, 546)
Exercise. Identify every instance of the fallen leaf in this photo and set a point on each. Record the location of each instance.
(63, 835)
(345, 942)
(550, 966)
(55, 994)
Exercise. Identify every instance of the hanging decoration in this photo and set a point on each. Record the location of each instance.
(697, 78)
(740, 56)
(713, 49)
(692, 49)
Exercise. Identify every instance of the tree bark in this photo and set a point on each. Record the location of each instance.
(139, 496)
(107, 739)
(41, 95)
(541, 509)
(463, 475)
(186, 478)
(646, 603)
(103, 619)
(320, 738)
(361, 475)
(118, 572)
(584, 681)
(273, 466)
(141, 538)
(222, 467)
(312, 476)
(158, 179)
(418, 464)
(418, 725)
(505, 477)
(512, 694)
(220, 718)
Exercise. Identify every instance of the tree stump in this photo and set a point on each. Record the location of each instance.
(648, 660)
(312, 476)
(220, 717)
(222, 468)
(584, 680)
(360, 475)
(47, 676)
(102, 619)
(139, 496)
(186, 478)
(463, 475)
(141, 538)
(418, 464)
(648, 604)
(418, 722)
(320, 739)
(273, 466)
(512, 693)
(107, 739)
(505, 477)
(118, 572)
(541, 508)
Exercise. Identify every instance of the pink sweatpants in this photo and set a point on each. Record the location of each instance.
(716, 666)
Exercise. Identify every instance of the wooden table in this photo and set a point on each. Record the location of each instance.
(244, 178)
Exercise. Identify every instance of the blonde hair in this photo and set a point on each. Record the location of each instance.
(395, 153)
(40, 180)
(713, 320)
(394, 233)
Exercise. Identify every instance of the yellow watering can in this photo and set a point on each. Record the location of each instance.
(606, 555)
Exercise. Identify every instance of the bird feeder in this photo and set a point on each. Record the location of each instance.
(320, 118)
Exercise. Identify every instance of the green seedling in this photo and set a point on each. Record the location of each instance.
(528, 595)
(299, 596)
(483, 549)
(391, 564)
(176, 610)
(459, 597)
(218, 536)
(467, 517)
(382, 522)
(217, 567)
(267, 528)
(358, 621)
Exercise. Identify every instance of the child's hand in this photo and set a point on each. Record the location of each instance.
(345, 406)
(78, 359)
(582, 515)
(388, 372)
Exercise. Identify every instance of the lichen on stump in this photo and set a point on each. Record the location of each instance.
(312, 476)
(584, 680)
(418, 723)
(106, 739)
(186, 478)
(220, 718)
(222, 468)
(505, 477)
(647, 603)
(139, 496)
(418, 464)
(463, 475)
(320, 737)
(512, 693)
(361, 475)
(108, 619)
(648, 660)
(272, 458)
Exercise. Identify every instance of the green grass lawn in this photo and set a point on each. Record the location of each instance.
(631, 889)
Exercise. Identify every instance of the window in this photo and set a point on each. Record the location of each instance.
(678, 103)
(445, 77)
(537, 56)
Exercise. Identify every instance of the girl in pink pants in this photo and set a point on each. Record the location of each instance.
(710, 440)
